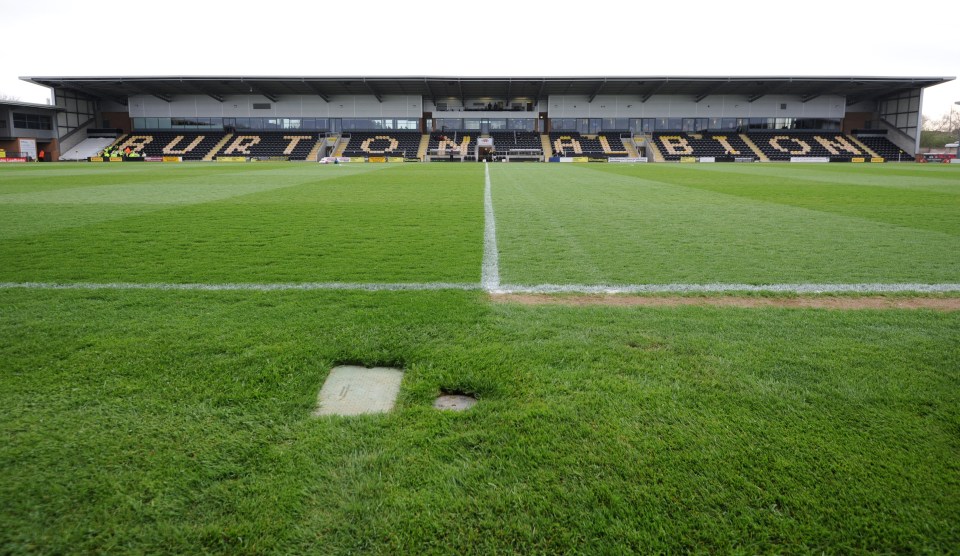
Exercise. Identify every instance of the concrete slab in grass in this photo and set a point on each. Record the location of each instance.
(351, 390)
(454, 402)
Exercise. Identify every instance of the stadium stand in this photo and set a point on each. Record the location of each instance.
(674, 145)
(506, 140)
(876, 141)
(783, 145)
(271, 144)
(187, 144)
(383, 143)
(443, 143)
(87, 148)
(572, 143)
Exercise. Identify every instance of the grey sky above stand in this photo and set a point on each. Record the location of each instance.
(497, 38)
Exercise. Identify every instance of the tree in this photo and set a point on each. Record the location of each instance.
(930, 139)
(4, 96)
(948, 123)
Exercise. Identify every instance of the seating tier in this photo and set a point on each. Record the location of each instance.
(885, 148)
(783, 145)
(602, 145)
(383, 143)
(526, 140)
(293, 145)
(674, 145)
(189, 145)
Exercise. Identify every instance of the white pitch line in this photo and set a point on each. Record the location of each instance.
(490, 273)
(506, 288)
(304, 286)
(729, 288)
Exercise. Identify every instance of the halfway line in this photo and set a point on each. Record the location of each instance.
(490, 273)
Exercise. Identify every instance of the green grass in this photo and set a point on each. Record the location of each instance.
(180, 421)
(234, 223)
(652, 224)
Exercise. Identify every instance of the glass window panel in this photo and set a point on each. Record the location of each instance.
(449, 123)
(520, 124)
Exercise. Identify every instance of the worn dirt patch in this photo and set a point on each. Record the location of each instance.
(808, 302)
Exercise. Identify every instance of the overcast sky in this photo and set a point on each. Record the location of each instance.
(494, 38)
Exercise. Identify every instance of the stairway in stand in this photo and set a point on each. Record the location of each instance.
(865, 148)
(652, 148)
(424, 145)
(315, 151)
(753, 147)
(547, 148)
(216, 148)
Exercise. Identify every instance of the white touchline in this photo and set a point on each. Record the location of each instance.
(500, 289)
(728, 288)
(490, 273)
(302, 286)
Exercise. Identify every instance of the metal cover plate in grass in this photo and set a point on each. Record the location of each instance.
(454, 402)
(351, 390)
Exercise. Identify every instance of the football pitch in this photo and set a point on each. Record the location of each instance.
(165, 330)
